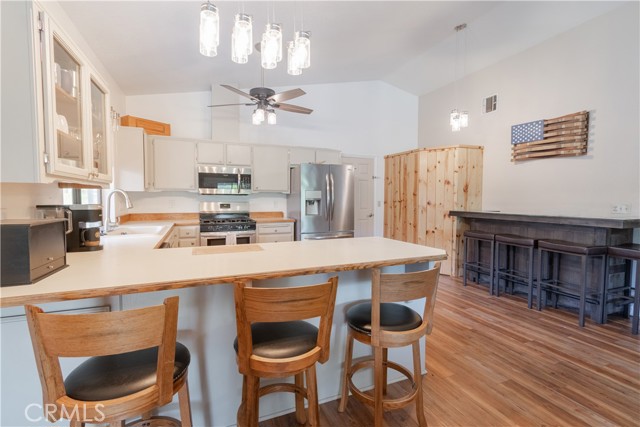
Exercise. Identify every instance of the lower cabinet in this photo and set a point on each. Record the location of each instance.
(274, 232)
(188, 236)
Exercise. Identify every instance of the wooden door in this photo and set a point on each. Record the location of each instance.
(364, 199)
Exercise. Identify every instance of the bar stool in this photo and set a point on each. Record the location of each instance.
(274, 341)
(382, 323)
(509, 273)
(629, 292)
(136, 365)
(580, 290)
(477, 264)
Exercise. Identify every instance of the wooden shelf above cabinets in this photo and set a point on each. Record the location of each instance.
(150, 127)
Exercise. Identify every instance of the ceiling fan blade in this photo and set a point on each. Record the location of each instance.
(286, 95)
(239, 92)
(293, 108)
(226, 105)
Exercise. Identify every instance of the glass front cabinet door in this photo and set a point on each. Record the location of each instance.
(76, 99)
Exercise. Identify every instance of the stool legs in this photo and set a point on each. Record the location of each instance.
(301, 417)
(185, 405)
(378, 375)
(348, 356)
(417, 378)
(636, 297)
(583, 292)
(312, 396)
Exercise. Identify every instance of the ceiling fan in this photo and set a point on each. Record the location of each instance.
(267, 99)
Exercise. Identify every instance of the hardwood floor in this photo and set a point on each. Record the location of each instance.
(493, 362)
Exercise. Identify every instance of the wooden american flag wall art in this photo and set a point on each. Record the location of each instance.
(560, 137)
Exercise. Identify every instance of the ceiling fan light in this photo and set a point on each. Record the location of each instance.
(258, 116)
(271, 117)
(271, 46)
(293, 68)
(302, 50)
(209, 29)
(242, 38)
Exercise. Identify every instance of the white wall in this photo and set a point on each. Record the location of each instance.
(593, 67)
(362, 118)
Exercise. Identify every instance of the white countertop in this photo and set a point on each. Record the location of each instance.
(129, 264)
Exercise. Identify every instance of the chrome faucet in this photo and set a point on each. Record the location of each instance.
(108, 225)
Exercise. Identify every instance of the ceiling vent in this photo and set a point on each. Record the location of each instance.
(490, 104)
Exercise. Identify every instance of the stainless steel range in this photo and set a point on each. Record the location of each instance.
(226, 224)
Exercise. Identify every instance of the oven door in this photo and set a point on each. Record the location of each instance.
(243, 237)
(214, 239)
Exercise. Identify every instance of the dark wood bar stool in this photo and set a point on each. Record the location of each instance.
(509, 271)
(477, 264)
(629, 291)
(550, 254)
(136, 365)
(274, 341)
(383, 323)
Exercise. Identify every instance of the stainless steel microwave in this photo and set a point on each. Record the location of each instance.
(223, 180)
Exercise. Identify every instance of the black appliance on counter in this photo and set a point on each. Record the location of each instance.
(31, 249)
(83, 224)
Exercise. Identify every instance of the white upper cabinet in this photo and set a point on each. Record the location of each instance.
(129, 171)
(299, 155)
(173, 164)
(210, 153)
(270, 169)
(238, 155)
(55, 122)
(329, 157)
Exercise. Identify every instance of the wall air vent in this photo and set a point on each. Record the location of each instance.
(490, 104)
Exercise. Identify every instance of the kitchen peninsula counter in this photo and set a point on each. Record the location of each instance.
(129, 264)
(620, 222)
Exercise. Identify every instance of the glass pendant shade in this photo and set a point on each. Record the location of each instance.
(302, 50)
(292, 66)
(464, 119)
(271, 46)
(209, 29)
(271, 117)
(258, 116)
(242, 39)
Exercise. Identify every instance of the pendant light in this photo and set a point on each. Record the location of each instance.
(293, 67)
(302, 53)
(209, 29)
(242, 38)
(271, 46)
(457, 119)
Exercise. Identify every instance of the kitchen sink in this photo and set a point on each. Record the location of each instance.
(123, 230)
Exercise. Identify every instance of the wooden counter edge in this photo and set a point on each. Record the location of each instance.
(164, 286)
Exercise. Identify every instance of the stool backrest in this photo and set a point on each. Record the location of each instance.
(398, 288)
(100, 334)
(283, 305)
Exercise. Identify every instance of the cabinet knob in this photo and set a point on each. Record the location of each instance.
(50, 267)
(49, 258)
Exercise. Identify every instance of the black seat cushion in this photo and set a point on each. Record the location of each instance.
(110, 377)
(393, 317)
(479, 235)
(279, 340)
(571, 247)
(512, 239)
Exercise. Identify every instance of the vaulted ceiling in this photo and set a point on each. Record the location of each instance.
(152, 47)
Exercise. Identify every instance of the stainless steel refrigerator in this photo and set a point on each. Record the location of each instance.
(321, 201)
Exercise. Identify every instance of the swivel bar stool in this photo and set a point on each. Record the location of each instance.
(383, 323)
(551, 254)
(511, 272)
(476, 263)
(135, 365)
(629, 291)
(274, 341)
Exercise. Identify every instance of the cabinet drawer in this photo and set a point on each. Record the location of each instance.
(51, 267)
(275, 238)
(186, 243)
(280, 228)
(188, 232)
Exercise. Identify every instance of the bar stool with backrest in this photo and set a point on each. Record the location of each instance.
(383, 323)
(629, 291)
(476, 263)
(553, 251)
(511, 273)
(274, 341)
(135, 364)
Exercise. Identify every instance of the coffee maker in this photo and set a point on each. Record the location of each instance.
(83, 224)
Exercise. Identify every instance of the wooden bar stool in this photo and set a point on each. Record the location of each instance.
(477, 264)
(551, 251)
(136, 365)
(382, 323)
(509, 272)
(274, 341)
(629, 291)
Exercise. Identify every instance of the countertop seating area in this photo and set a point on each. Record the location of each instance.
(135, 365)
(383, 323)
(274, 341)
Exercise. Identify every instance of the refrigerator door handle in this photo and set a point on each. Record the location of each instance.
(328, 199)
(336, 236)
(333, 197)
